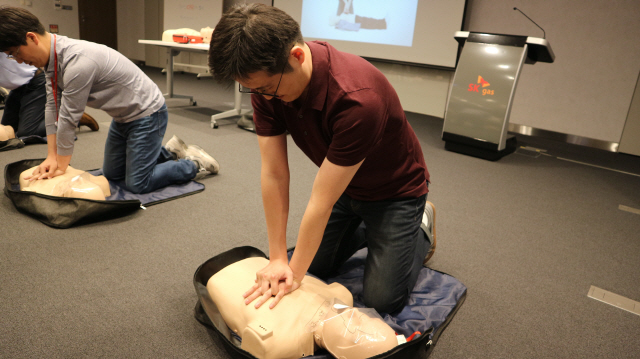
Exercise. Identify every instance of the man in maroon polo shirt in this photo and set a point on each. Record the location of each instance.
(342, 112)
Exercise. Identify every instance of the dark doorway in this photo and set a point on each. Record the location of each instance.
(98, 22)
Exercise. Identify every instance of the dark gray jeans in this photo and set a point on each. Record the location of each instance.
(396, 244)
(24, 108)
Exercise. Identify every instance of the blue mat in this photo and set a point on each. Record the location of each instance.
(168, 193)
(432, 304)
(432, 299)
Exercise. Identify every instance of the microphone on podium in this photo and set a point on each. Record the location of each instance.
(544, 34)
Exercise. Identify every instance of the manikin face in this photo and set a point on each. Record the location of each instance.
(353, 333)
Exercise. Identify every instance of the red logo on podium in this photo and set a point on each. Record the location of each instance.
(476, 87)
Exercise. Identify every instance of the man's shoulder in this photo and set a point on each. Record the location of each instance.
(85, 49)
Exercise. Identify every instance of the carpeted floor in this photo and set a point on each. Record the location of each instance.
(528, 235)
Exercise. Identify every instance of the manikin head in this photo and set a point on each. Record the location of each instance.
(351, 333)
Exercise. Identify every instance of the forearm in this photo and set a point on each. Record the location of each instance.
(330, 183)
(310, 236)
(63, 162)
(52, 146)
(275, 200)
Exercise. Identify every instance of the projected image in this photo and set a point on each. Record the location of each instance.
(373, 21)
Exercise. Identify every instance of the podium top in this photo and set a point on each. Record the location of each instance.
(538, 49)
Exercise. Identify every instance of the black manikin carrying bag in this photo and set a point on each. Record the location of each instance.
(59, 212)
(62, 212)
(434, 301)
(15, 143)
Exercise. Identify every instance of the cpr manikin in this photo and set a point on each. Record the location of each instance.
(316, 315)
(6, 133)
(73, 183)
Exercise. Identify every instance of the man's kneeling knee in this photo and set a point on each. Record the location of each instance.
(386, 303)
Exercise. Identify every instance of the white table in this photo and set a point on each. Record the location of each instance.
(174, 49)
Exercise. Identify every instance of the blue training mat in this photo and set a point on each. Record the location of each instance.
(435, 295)
(120, 193)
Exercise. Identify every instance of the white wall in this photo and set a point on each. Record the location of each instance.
(67, 20)
(130, 22)
(131, 28)
(192, 14)
(421, 90)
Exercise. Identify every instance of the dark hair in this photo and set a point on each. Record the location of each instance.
(252, 38)
(15, 22)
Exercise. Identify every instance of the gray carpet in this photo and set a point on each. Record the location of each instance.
(528, 235)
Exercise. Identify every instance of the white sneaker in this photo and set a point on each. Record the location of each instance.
(177, 147)
(429, 227)
(206, 164)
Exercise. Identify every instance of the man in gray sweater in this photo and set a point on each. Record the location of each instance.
(81, 73)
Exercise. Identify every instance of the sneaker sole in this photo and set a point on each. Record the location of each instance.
(203, 153)
(432, 249)
(180, 148)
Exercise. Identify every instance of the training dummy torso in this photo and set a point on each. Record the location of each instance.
(284, 331)
(73, 183)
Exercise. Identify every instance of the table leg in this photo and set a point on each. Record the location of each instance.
(171, 53)
(237, 109)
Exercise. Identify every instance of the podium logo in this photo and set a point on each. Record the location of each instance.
(476, 87)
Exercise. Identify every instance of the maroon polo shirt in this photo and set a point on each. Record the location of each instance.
(351, 112)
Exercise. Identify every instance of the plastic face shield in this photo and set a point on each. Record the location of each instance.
(79, 186)
(351, 333)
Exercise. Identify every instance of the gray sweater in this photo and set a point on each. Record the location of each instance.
(97, 76)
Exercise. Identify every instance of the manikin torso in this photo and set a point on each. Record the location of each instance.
(6, 133)
(287, 331)
(73, 183)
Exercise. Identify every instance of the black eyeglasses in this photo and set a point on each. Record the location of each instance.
(243, 89)
(12, 55)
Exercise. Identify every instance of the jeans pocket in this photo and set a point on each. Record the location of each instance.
(162, 119)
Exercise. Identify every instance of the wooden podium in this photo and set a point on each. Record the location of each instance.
(477, 114)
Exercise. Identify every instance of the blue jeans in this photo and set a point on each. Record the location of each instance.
(134, 154)
(396, 247)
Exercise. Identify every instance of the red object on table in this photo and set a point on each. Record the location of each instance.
(187, 39)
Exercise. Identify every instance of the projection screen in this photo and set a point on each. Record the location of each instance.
(407, 31)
